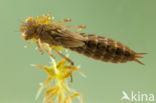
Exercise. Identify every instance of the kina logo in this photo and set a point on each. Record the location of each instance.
(137, 97)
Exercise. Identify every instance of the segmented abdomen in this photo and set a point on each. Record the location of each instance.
(105, 49)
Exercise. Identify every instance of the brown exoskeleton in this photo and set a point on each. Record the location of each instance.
(45, 31)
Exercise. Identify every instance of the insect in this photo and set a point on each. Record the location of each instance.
(47, 32)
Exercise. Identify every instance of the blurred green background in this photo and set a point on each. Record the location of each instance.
(133, 22)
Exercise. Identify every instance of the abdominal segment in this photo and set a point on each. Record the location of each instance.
(105, 49)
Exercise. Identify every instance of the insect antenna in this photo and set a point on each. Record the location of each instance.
(21, 21)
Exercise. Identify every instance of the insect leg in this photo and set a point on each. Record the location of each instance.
(63, 56)
(71, 78)
(80, 27)
(39, 47)
(48, 51)
(63, 21)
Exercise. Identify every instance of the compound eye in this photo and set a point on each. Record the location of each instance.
(27, 35)
(24, 36)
